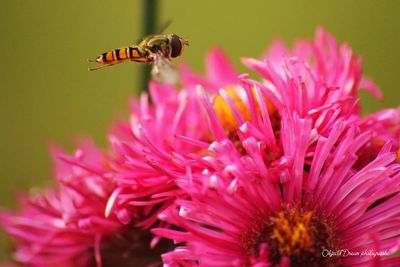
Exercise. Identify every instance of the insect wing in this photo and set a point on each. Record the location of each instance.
(164, 26)
(164, 71)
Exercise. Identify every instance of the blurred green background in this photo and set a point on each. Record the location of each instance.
(47, 94)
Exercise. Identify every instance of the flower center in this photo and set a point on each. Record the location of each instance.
(292, 233)
(297, 235)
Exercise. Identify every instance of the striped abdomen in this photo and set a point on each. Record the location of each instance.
(132, 53)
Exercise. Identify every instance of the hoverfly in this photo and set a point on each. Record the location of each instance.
(156, 49)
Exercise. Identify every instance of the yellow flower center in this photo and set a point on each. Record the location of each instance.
(293, 233)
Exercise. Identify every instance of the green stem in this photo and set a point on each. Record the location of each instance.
(150, 15)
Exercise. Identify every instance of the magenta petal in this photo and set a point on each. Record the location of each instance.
(220, 70)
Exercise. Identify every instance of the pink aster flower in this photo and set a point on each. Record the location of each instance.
(282, 185)
(294, 211)
(66, 226)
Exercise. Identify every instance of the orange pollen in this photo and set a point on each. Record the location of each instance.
(293, 232)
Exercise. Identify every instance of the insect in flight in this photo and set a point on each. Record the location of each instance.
(157, 49)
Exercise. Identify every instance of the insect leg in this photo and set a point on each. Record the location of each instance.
(103, 66)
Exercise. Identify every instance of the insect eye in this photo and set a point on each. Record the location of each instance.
(176, 45)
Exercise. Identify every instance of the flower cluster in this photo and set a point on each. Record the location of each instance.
(230, 170)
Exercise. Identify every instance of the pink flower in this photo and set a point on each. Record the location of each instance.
(245, 212)
(286, 180)
(66, 226)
